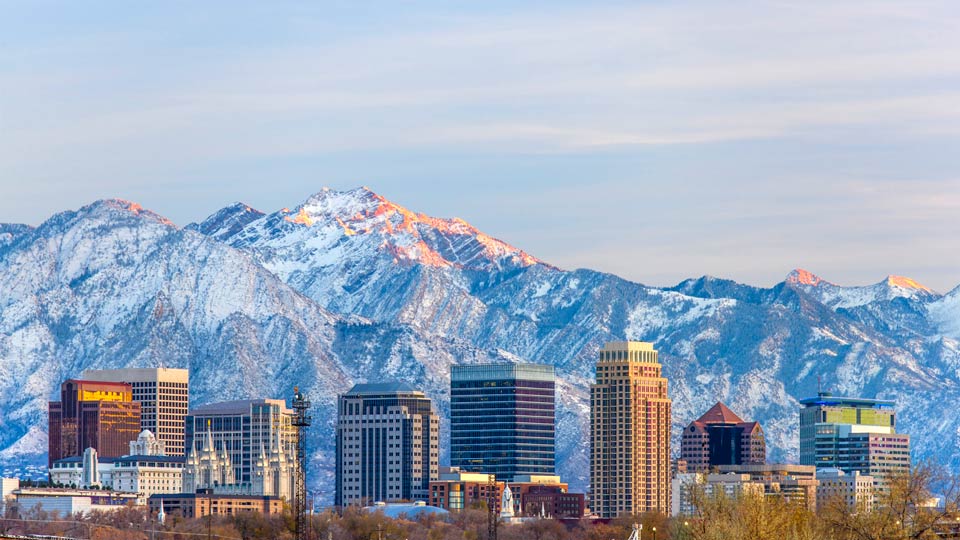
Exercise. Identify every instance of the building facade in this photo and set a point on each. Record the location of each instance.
(92, 414)
(71, 501)
(163, 395)
(503, 418)
(387, 444)
(720, 437)
(630, 418)
(245, 447)
(794, 483)
(551, 501)
(455, 490)
(856, 490)
(196, 505)
(853, 435)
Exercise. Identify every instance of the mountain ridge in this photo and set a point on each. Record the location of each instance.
(257, 301)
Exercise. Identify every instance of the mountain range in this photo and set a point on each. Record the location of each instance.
(349, 287)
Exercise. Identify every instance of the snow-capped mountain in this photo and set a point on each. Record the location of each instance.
(348, 286)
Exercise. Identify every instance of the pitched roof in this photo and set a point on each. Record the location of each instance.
(720, 414)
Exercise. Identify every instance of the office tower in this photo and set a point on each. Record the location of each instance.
(243, 447)
(853, 434)
(163, 394)
(502, 419)
(92, 414)
(387, 444)
(629, 432)
(720, 437)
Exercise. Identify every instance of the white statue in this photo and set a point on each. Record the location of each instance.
(506, 503)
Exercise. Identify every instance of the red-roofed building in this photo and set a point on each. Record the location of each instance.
(720, 437)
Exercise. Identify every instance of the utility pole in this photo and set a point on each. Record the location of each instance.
(301, 421)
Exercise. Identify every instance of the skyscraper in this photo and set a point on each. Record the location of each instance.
(163, 394)
(720, 437)
(502, 419)
(388, 439)
(853, 435)
(251, 442)
(629, 432)
(91, 414)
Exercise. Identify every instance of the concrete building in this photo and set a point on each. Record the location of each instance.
(503, 418)
(854, 490)
(853, 435)
(7, 487)
(551, 501)
(387, 444)
(66, 502)
(144, 475)
(720, 437)
(455, 490)
(630, 419)
(197, 505)
(163, 395)
(243, 447)
(688, 486)
(92, 414)
(795, 483)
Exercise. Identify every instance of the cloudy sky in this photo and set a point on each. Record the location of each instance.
(655, 140)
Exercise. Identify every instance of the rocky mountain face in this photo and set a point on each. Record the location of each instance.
(350, 287)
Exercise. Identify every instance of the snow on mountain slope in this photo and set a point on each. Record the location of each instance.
(759, 349)
(837, 297)
(112, 285)
(350, 287)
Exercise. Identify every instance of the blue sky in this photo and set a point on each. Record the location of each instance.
(655, 140)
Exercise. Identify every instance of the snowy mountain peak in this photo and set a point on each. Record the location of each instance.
(805, 277)
(361, 217)
(228, 221)
(906, 283)
(111, 207)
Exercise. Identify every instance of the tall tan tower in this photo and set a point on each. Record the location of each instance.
(629, 432)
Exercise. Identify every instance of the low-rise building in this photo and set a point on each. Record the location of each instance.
(148, 475)
(456, 490)
(687, 487)
(551, 501)
(795, 483)
(65, 501)
(855, 490)
(205, 503)
(7, 487)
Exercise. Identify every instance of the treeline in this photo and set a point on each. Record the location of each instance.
(919, 506)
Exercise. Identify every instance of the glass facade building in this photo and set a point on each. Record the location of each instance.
(163, 395)
(853, 435)
(502, 419)
(92, 414)
(242, 429)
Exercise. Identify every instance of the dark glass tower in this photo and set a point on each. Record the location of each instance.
(502, 419)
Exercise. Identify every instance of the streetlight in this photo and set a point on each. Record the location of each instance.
(654, 533)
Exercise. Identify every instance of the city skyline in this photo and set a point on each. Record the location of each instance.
(754, 138)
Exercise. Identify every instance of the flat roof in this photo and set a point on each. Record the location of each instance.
(240, 406)
(839, 401)
(383, 388)
(159, 374)
(502, 371)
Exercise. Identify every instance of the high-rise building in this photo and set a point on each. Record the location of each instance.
(629, 432)
(387, 444)
(502, 419)
(245, 447)
(163, 394)
(92, 414)
(720, 437)
(853, 435)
